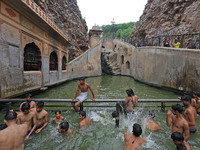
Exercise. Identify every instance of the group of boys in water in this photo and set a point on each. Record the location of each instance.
(32, 118)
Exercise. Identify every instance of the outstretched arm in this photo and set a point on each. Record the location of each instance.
(76, 93)
(93, 99)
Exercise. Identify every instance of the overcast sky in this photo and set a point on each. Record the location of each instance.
(102, 12)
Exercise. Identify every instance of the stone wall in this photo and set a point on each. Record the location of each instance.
(17, 30)
(178, 69)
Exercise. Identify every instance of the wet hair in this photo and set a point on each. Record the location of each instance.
(40, 104)
(59, 111)
(83, 113)
(130, 92)
(114, 114)
(11, 115)
(137, 130)
(82, 79)
(64, 125)
(177, 107)
(177, 136)
(152, 114)
(3, 126)
(25, 106)
(186, 98)
(28, 95)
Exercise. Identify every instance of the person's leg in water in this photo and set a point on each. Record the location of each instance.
(76, 104)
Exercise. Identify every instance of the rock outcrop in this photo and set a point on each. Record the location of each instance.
(168, 18)
(67, 16)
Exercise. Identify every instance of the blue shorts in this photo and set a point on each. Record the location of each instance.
(192, 131)
(29, 132)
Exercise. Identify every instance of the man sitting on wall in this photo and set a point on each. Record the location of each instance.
(83, 96)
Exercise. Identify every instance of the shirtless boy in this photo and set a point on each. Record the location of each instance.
(190, 113)
(64, 128)
(58, 116)
(28, 98)
(85, 121)
(131, 100)
(197, 98)
(134, 141)
(83, 96)
(12, 138)
(178, 140)
(151, 125)
(27, 117)
(179, 123)
(41, 115)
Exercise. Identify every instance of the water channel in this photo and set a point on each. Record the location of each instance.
(102, 134)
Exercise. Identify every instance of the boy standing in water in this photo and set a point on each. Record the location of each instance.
(83, 96)
(131, 100)
(85, 121)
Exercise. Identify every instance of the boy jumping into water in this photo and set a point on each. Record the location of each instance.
(83, 96)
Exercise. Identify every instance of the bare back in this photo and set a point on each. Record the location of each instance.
(12, 138)
(131, 103)
(85, 122)
(132, 142)
(26, 119)
(151, 125)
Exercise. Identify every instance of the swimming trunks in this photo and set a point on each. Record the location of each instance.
(192, 131)
(82, 97)
(29, 132)
(39, 127)
(198, 112)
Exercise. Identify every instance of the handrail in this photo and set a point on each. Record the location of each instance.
(89, 101)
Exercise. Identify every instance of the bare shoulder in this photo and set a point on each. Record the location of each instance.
(126, 134)
(62, 118)
(45, 112)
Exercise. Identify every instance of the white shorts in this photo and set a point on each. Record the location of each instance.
(82, 97)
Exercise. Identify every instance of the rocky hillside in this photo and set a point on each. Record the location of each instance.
(169, 18)
(67, 16)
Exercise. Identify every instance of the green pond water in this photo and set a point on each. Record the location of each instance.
(102, 134)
